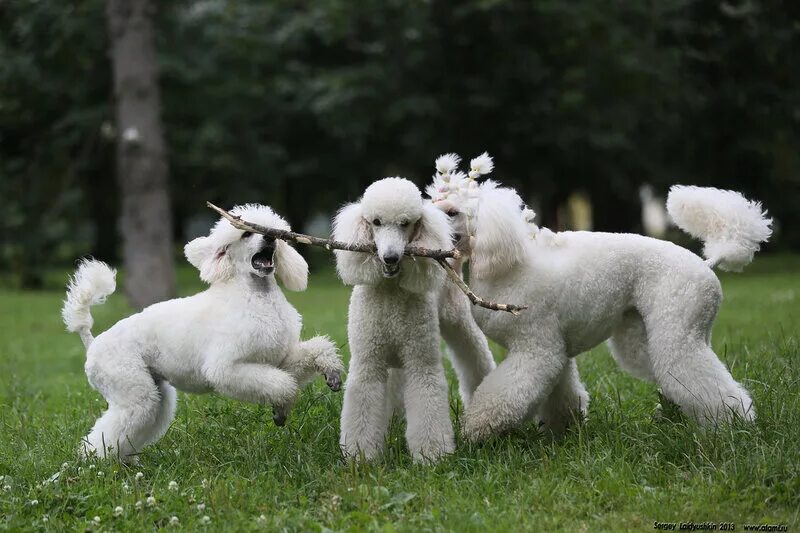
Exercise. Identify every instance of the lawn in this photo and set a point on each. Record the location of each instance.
(627, 467)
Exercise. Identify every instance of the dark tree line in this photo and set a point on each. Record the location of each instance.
(300, 104)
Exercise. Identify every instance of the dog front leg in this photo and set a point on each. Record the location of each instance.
(518, 386)
(365, 414)
(315, 356)
(468, 349)
(256, 383)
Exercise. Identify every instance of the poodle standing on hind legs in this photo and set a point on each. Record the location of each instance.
(655, 301)
(393, 321)
(239, 338)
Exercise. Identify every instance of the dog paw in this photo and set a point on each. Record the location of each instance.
(334, 380)
(279, 415)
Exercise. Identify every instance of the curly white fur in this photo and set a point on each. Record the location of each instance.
(393, 322)
(91, 284)
(239, 338)
(655, 300)
(731, 226)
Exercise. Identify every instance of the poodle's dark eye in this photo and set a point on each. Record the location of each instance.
(452, 212)
(246, 234)
(376, 222)
(404, 224)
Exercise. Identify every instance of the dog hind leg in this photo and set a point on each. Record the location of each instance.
(687, 369)
(628, 346)
(568, 401)
(166, 413)
(134, 405)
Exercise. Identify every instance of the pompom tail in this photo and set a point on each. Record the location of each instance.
(731, 227)
(91, 284)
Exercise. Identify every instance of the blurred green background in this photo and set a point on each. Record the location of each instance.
(300, 105)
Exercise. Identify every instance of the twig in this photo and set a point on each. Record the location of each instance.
(329, 244)
(439, 256)
(474, 298)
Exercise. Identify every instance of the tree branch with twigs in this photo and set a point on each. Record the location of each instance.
(440, 256)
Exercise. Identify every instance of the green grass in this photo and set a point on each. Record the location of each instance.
(622, 470)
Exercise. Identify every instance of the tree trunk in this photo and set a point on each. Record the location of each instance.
(146, 223)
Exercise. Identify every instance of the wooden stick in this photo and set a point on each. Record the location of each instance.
(440, 256)
(474, 298)
(329, 244)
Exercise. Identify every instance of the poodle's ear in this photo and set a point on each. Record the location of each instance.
(432, 230)
(211, 260)
(290, 267)
(350, 226)
(421, 275)
(355, 268)
(500, 232)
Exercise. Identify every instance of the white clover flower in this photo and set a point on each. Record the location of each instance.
(204, 483)
(45, 518)
(6, 488)
(64, 466)
(201, 507)
(91, 467)
(96, 519)
(138, 476)
(138, 504)
(151, 501)
(261, 519)
(446, 163)
(118, 510)
(126, 487)
(100, 473)
(205, 520)
(481, 165)
(174, 521)
(173, 486)
(34, 502)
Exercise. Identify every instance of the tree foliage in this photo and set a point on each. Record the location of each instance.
(300, 104)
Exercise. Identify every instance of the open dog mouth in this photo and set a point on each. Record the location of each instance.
(262, 261)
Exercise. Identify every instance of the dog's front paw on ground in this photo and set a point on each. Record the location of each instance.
(478, 427)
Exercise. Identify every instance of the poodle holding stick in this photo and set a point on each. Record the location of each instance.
(655, 301)
(393, 321)
(239, 338)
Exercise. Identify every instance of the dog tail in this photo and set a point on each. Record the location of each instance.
(731, 227)
(90, 285)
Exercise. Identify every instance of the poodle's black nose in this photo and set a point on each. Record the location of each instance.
(391, 259)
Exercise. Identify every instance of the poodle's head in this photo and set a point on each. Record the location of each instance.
(486, 219)
(461, 225)
(391, 215)
(228, 252)
(392, 207)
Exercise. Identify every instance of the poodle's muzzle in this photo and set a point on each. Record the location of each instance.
(263, 261)
(391, 265)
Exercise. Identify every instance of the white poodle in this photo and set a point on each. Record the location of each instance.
(239, 338)
(393, 321)
(655, 300)
(466, 345)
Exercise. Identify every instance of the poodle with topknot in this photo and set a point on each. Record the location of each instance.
(655, 301)
(239, 338)
(393, 321)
